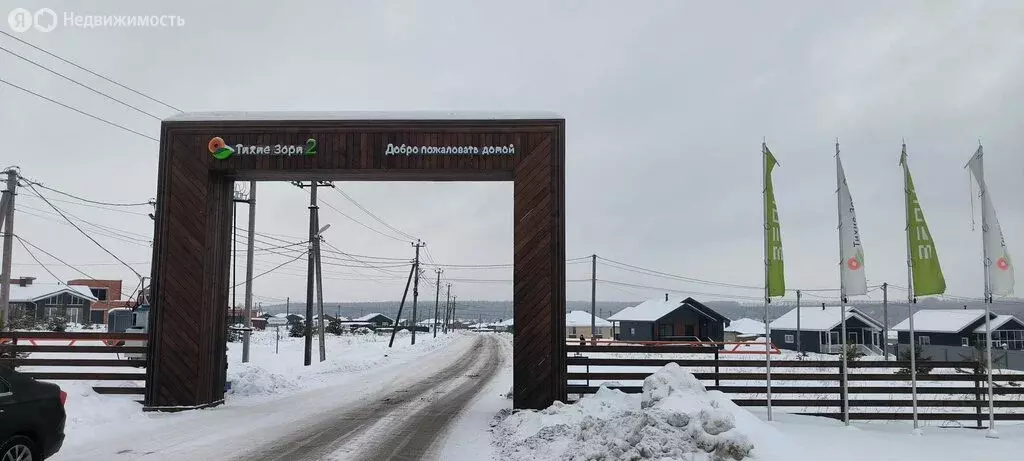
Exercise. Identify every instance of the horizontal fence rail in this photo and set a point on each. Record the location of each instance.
(20, 349)
(809, 387)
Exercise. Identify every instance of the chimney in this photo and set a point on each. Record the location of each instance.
(822, 306)
(666, 296)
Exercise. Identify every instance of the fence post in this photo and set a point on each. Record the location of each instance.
(718, 383)
(842, 390)
(977, 391)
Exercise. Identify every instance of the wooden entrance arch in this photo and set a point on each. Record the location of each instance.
(193, 223)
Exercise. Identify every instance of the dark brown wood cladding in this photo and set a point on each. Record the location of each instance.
(193, 229)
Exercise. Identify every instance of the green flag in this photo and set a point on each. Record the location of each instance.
(774, 275)
(924, 260)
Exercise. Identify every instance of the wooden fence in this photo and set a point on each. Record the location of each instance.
(19, 349)
(810, 383)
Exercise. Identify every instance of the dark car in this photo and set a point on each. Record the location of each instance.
(31, 417)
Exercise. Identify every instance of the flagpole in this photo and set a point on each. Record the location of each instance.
(987, 263)
(842, 294)
(910, 289)
(767, 299)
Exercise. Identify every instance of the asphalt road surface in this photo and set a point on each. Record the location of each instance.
(404, 423)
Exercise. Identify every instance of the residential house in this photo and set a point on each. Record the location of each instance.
(670, 320)
(577, 323)
(820, 330)
(108, 296)
(951, 327)
(376, 319)
(505, 326)
(1007, 333)
(40, 301)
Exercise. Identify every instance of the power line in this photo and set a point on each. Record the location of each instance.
(123, 233)
(47, 253)
(48, 271)
(65, 77)
(95, 202)
(21, 210)
(271, 270)
(108, 122)
(93, 73)
(670, 290)
(328, 205)
(86, 234)
(375, 217)
(71, 202)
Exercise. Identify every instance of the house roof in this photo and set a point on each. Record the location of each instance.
(358, 115)
(747, 327)
(996, 322)
(942, 320)
(582, 319)
(654, 309)
(505, 323)
(818, 318)
(37, 291)
(368, 317)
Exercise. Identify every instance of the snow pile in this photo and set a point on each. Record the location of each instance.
(251, 379)
(675, 418)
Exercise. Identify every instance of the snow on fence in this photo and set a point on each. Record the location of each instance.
(61, 356)
(878, 390)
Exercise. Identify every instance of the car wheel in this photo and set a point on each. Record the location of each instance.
(18, 448)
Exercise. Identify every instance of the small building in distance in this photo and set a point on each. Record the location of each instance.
(376, 319)
(743, 330)
(108, 296)
(670, 320)
(821, 329)
(952, 327)
(577, 323)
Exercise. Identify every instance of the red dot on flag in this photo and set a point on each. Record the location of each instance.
(853, 264)
(1002, 264)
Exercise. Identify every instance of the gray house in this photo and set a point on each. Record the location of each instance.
(669, 320)
(955, 327)
(820, 330)
(41, 301)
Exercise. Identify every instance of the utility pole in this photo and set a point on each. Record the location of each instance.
(287, 306)
(310, 272)
(593, 298)
(7, 220)
(885, 320)
(319, 286)
(246, 333)
(415, 289)
(437, 299)
(448, 309)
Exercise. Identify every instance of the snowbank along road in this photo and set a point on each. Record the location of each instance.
(404, 423)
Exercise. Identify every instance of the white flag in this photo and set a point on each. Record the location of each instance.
(852, 263)
(998, 266)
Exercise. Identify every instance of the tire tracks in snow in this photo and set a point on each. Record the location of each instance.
(412, 436)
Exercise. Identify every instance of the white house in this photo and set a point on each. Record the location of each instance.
(577, 323)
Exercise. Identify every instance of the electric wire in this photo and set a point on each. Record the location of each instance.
(66, 61)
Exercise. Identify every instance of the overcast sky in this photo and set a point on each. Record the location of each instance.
(665, 106)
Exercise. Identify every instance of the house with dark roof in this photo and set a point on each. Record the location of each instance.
(959, 327)
(669, 320)
(819, 329)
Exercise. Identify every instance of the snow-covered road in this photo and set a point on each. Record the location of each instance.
(351, 418)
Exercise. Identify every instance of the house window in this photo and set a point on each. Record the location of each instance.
(833, 337)
(574, 331)
(924, 340)
(875, 338)
(964, 341)
(789, 338)
(632, 331)
(665, 330)
(99, 293)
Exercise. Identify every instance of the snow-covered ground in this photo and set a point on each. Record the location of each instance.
(269, 379)
(676, 419)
